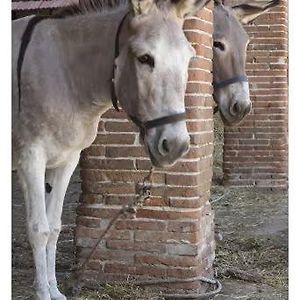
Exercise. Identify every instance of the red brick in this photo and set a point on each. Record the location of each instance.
(97, 212)
(107, 255)
(103, 164)
(107, 188)
(94, 150)
(189, 202)
(183, 226)
(112, 126)
(136, 246)
(103, 138)
(140, 224)
(153, 244)
(134, 151)
(170, 260)
(166, 237)
(166, 215)
(115, 176)
(94, 233)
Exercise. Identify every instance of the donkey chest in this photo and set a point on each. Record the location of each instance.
(65, 141)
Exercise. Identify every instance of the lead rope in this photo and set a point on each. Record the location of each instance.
(196, 296)
(144, 193)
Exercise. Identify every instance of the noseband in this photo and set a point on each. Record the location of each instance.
(144, 126)
(223, 83)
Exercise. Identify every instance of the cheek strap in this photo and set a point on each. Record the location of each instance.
(114, 98)
(144, 126)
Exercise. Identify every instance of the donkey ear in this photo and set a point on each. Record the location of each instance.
(140, 7)
(249, 10)
(184, 8)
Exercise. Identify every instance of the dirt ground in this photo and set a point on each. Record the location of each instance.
(252, 232)
(251, 254)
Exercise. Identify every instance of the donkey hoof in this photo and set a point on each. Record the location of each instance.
(43, 294)
(56, 294)
(61, 297)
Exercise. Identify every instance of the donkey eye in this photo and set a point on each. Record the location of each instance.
(219, 45)
(146, 59)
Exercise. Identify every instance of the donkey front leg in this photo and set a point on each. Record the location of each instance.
(31, 173)
(58, 179)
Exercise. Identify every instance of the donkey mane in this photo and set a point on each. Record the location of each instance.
(100, 6)
(89, 6)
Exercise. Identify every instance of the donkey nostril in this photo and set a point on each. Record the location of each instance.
(235, 108)
(165, 146)
(240, 108)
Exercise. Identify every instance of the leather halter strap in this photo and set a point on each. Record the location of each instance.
(144, 126)
(114, 98)
(157, 122)
(223, 83)
(26, 38)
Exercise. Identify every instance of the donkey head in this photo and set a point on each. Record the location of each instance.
(231, 89)
(151, 74)
(229, 52)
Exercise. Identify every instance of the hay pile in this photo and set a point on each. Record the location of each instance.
(120, 291)
(254, 247)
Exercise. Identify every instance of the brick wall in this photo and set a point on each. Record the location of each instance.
(172, 236)
(256, 152)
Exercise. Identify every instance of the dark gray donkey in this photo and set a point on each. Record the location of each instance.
(67, 70)
(231, 88)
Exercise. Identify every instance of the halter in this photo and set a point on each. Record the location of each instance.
(223, 83)
(144, 126)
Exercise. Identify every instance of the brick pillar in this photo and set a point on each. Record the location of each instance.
(256, 152)
(172, 236)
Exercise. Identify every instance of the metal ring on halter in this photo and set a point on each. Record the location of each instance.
(142, 125)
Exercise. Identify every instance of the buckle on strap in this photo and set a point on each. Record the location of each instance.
(223, 83)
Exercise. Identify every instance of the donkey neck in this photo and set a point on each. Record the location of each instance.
(88, 44)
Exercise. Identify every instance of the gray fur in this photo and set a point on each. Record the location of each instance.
(65, 84)
(234, 100)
